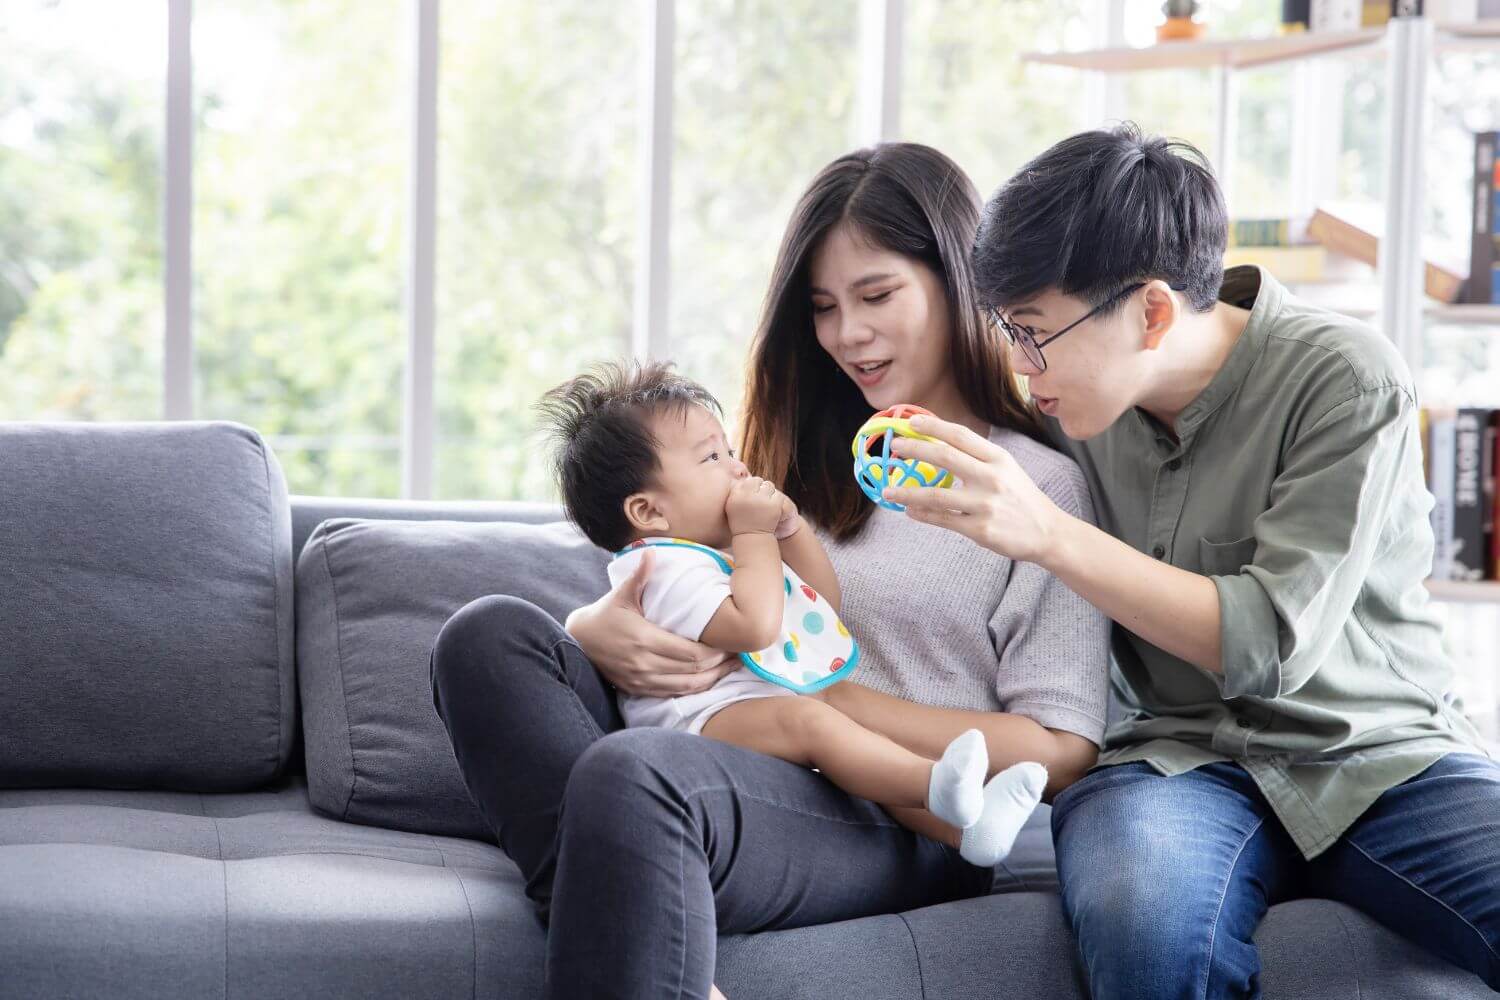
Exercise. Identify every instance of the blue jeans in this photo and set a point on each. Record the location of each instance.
(1165, 879)
(640, 845)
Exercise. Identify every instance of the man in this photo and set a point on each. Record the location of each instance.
(1263, 536)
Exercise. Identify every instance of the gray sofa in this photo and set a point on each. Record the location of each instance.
(221, 773)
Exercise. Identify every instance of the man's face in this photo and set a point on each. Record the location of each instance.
(1094, 373)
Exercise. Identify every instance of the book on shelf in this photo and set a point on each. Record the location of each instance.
(1268, 232)
(1295, 15)
(1489, 470)
(1470, 549)
(1483, 285)
(1290, 265)
(1460, 458)
(1443, 430)
(1354, 230)
(1337, 15)
(1375, 13)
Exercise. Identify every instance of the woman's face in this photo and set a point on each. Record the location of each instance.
(883, 318)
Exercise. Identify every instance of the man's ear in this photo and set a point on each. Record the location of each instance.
(645, 516)
(1160, 314)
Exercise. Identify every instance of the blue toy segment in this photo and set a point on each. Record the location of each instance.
(875, 472)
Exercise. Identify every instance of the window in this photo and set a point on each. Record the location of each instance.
(966, 91)
(764, 100)
(80, 210)
(298, 220)
(537, 229)
(303, 152)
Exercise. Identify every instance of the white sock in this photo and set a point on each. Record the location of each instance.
(1010, 797)
(955, 793)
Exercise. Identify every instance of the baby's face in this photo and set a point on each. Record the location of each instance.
(697, 469)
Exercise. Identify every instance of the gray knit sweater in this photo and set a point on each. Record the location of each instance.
(944, 621)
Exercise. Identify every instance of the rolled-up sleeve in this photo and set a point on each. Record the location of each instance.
(1052, 645)
(1314, 545)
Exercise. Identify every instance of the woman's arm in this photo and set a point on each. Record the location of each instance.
(638, 657)
(926, 730)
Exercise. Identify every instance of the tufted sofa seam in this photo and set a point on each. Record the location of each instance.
(916, 955)
(224, 879)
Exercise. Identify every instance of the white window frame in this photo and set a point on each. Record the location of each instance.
(177, 217)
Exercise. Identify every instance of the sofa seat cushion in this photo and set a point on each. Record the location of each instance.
(147, 894)
(155, 894)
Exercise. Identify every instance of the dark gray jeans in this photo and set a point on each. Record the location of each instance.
(640, 845)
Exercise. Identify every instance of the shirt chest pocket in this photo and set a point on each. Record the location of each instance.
(1225, 558)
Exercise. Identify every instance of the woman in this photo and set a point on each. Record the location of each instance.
(639, 846)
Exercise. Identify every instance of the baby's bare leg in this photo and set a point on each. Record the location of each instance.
(805, 731)
(923, 822)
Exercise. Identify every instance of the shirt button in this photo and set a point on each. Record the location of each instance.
(1175, 464)
(1158, 552)
(1243, 723)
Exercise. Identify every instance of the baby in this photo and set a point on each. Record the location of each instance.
(644, 467)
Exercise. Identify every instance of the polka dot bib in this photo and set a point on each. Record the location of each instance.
(814, 649)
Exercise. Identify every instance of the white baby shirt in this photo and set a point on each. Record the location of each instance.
(689, 582)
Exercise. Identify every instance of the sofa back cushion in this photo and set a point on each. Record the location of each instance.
(372, 596)
(146, 631)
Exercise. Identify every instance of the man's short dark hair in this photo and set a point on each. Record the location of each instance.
(1099, 211)
(603, 447)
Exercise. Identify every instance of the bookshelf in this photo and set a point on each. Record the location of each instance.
(1409, 45)
(1485, 318)
(1247, 53)
(1235, 53)
(1462, 592)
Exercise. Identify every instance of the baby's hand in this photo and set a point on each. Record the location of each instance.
(787, 526)
(754, 505)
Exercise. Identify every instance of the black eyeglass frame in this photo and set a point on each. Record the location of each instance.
(1026, 336)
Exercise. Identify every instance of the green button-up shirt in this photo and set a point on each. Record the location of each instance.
(1295, 483)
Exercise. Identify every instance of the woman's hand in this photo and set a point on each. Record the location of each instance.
(638, 657)
(996, 503)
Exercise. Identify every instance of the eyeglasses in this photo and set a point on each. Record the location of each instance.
(1026, 336)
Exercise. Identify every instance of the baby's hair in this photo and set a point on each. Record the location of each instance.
(603, 449)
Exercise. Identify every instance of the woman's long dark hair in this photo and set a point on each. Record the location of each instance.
(800, 411)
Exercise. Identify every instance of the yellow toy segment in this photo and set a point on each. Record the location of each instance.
(874, 470)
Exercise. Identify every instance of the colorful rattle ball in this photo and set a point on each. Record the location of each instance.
(875, 468)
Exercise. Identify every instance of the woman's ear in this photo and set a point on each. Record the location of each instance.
(1161, 312)
(645, 516)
